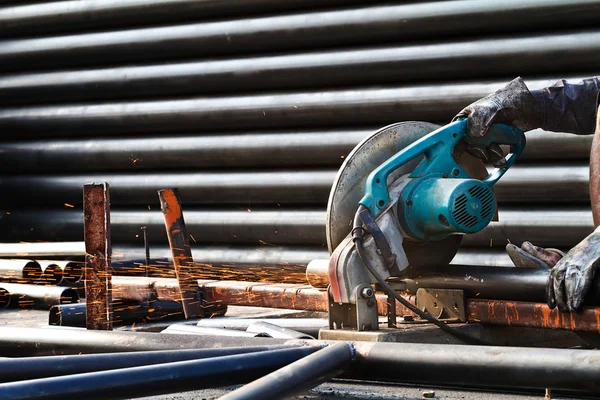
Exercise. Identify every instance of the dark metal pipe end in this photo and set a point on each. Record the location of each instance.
(4, 298)
(53, 274)
(69, 296)
(32, 270)
(73, 272)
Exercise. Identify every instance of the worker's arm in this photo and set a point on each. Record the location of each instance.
(563, 107)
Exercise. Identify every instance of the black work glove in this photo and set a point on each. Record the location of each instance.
(571, 278)
(513, 105)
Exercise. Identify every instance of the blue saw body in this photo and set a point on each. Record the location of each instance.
(441, 198)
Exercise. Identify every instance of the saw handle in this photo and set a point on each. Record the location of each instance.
(436, 148)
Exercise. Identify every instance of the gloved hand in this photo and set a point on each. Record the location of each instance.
(530, 256)
(571, 278)
(514, 104)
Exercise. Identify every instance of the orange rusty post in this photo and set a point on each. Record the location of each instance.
(193, 306)
(97, 273)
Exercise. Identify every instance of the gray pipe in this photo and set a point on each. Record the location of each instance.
(42, 249)
(356, 106)
(184, 329)
(323, 29)
(276, 331)
(308, 326)
(68, 270)
(296, 226)
(20, 270)
(72, 15)
(476, 366)
(269, 149)
(39, 296)
(524, 183)
(465, 59)
(18, 341)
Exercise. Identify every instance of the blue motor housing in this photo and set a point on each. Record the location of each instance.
(431, 208)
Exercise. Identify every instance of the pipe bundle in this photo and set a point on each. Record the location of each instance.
(250, 111)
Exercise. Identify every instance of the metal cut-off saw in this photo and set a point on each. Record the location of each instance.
(402, 201)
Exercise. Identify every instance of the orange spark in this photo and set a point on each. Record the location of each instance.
(69, 205)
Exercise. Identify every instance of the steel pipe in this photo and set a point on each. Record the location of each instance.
(525, 183)
(42, 249)
(39, 296)
(308, 30)
(20, 270)
(276, 331)
(477, 366)
(465, 59)
(67, 270)
(308, 326)
(304, 374)
(373, 106)
(25, 368)
(298, 226)
(517, 284)
(52, 273)
(72, 15)
(206, 331)
(229, 187)
(124, 313)
(17, 341)
(269, 149)
(166, 378)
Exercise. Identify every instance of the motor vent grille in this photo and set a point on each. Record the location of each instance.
(469, 219)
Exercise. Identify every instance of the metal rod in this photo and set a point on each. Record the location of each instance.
(21, 271)
(314, 148)
(124, 313)
(309, 30)
(69, 15)
(25, 368)
(146, 248)
(97, 237)
(313, 108)
(209, 331)
(166, 378)
(466, 58)
(477, 366)
(182, 253)
(39, 296)
(20, 342)
(276, 331)
(294, 379)
(308, 326)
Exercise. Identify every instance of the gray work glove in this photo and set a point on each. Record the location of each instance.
(513, 105)
(571, 278)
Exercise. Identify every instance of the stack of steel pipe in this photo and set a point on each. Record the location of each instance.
(250, 110)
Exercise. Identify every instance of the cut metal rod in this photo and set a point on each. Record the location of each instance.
(182, 253)
(157, 379)
(299, 376)
(98, 287)
(24, 368)
(146, 248)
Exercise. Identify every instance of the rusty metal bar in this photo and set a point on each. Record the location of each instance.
(534, 315)
(182, 253)
(98, 283)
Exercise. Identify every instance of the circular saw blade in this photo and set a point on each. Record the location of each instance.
(348, 190)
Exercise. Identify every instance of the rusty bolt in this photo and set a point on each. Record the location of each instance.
(430, 394)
